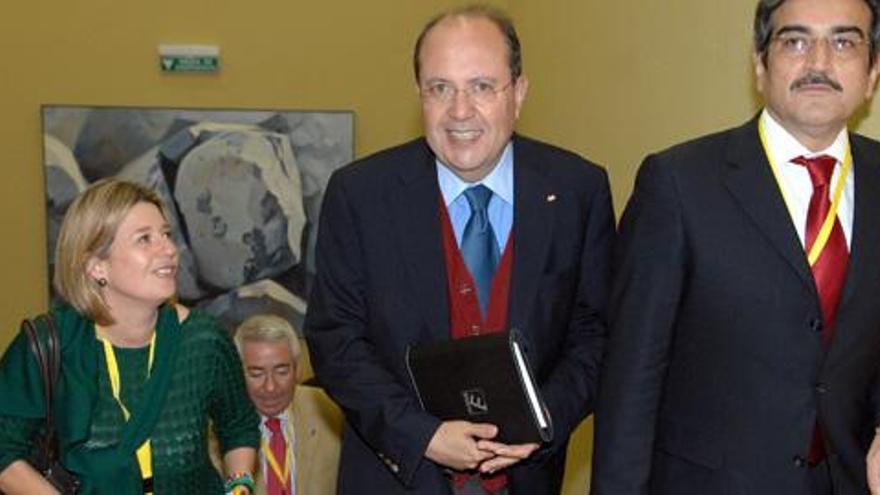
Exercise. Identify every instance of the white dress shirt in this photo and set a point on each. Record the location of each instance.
(796, 179)
(289, 434)
(500, 208)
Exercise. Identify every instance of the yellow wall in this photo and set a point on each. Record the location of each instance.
(611, 80)
(617, 80)
(286, 54)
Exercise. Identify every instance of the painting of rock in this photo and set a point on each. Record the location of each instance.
(243, 189)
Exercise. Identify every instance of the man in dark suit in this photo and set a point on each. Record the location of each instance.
(395, 268)
(745, 332)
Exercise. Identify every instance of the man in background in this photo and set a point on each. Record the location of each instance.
(301, 426)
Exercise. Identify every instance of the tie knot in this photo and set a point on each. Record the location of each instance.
(820, 168)
(478, 197)
(274, 425)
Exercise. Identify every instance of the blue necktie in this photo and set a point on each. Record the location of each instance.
(478, 246)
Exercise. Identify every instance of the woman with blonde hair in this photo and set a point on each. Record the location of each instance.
(140, 375)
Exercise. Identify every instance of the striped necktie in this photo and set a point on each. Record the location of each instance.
(278, 449)
(829, 269)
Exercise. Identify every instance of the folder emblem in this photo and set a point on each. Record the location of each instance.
(475, 402)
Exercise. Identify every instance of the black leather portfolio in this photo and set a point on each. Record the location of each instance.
(482, 379)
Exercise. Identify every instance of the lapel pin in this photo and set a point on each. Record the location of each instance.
(551, 198)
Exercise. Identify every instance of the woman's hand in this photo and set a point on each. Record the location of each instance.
(19, 478)
(240, 460)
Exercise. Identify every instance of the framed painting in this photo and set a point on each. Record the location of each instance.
(243, 189)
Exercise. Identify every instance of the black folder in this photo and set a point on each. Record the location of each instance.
(482, 379)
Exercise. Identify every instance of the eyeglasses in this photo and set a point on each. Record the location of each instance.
(844, 46)
(481, 91)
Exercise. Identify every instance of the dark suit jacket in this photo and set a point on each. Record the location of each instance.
(381, 286)
(715, 373)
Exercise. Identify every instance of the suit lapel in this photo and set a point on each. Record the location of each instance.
(414, 211)
(533, 221)
(865, 238)
(259, 479)
(866, 218)
(298, 430)
(750, 180)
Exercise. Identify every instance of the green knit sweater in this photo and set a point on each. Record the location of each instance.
(196, 376)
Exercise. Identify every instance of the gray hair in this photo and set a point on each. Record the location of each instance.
(270, 329)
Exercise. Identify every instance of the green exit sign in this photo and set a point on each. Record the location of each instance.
(190, 64)
(189, 58)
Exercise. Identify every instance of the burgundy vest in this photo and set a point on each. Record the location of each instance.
(464, 307)
(465, 319)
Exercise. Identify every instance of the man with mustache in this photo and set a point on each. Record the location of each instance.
(745, 332)
(469, 230)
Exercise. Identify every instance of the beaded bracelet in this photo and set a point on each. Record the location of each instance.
(238, 480)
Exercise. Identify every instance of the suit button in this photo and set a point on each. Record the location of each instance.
(799, 461)
(816, 325)
(822, 388)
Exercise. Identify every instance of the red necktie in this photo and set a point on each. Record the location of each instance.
(829, 270)
(278, 447)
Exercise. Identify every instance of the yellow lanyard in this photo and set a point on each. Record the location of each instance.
(282, 474)
(144, 453)
(828, 223)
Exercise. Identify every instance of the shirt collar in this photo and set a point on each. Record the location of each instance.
(284, 417)
(784, 147)
(499, 180)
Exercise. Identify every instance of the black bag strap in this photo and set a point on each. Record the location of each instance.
(48, 356)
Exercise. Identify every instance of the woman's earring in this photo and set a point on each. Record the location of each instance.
(102, 282)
